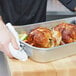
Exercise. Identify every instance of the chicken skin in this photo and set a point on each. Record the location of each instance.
(68, 32)
(43, 37)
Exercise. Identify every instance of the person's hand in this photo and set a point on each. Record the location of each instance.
(5, 38)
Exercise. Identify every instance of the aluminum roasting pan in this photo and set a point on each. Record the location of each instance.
(48, 54)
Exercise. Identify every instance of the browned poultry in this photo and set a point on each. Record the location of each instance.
(42, 37)
(68, 32)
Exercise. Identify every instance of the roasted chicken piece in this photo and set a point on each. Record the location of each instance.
(44, 38)
(68, 32)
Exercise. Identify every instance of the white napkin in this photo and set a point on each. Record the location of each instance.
(18, 54)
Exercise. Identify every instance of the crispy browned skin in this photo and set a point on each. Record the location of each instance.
(68, 32)
(41, 37)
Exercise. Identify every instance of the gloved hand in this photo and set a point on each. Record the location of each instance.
(18, 54)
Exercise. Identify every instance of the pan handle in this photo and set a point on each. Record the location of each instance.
(27, 49)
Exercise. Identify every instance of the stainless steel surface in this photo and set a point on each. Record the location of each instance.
(56, 10)
(56, 5)
(48, 54)
(4, 70)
